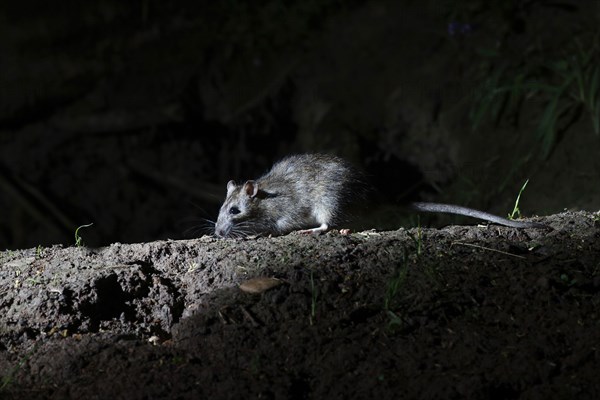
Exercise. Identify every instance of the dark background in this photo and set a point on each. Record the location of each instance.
(134, 115)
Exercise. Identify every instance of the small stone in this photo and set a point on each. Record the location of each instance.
(259, 285)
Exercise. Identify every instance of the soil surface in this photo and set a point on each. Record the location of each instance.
(459, 312)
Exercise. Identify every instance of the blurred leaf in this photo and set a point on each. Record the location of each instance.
(485, 52)
(546, 130)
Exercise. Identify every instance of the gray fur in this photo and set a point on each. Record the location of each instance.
(309, 192)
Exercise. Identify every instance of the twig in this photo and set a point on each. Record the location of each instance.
(249, 316)
(488, 248)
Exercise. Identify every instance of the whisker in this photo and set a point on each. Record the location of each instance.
(201, 225)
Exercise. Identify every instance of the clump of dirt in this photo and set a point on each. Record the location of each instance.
(463, 311)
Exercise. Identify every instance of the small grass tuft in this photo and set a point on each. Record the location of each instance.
(39, 251)
(418, 239)
(78, 239)
(7, 380)
(396, 283)
(516, 212)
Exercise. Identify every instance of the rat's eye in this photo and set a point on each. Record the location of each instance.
(234, 210)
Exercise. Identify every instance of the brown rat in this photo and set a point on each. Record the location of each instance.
(301, 192)
(310, 193)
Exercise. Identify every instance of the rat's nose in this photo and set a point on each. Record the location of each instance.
(221, 231)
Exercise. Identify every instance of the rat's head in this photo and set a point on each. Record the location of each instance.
(241, 214)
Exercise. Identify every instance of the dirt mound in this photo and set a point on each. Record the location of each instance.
(464, 311)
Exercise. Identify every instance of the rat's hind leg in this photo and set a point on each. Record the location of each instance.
(323, 216)
(319, 229)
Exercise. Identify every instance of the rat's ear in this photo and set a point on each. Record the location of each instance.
(230, 187)
(250, 188)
